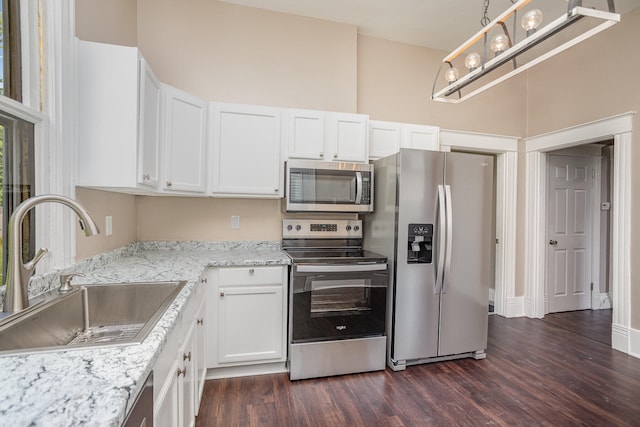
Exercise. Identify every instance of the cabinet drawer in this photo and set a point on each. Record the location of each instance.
(250, 276)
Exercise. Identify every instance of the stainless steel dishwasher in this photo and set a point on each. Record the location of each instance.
(141, 414)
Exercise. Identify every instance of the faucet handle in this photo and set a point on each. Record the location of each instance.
(65, 281)
(31, 265)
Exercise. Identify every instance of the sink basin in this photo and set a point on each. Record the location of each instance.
(88, 316)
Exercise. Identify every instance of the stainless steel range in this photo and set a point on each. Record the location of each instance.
(337, 299)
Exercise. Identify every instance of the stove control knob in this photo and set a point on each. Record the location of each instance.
(289, 227)
(348, 228)
(298, 227)
(356, 228)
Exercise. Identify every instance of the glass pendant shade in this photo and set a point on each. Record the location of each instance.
(499, 43)
(472, 61)
(451, 75)
(531, 21)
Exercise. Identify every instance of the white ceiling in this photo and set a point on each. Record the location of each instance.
(439, 24)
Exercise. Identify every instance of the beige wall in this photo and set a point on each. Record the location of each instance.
(121, 207)
(112, 21)
(578, 87)
(230, 53)
(179, 218)
(395, 82)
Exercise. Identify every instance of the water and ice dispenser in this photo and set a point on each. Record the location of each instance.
(420, 244)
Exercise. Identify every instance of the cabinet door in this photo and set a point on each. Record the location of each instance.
(166, 409)
(421, 137)
(306, 134)
(347, 137)
(187, 380)
(200, 355)
(149, 127)
(185, 141)
(246, 141)
(384, 139)
(250, 323)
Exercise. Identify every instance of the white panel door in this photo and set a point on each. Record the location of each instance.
(569, 233)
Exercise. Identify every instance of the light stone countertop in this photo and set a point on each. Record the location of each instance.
(96, 387)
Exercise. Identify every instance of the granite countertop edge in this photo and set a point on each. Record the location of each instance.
(97, 387)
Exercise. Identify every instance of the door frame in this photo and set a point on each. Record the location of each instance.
(620, 129)
(593, 157)
(506, 150)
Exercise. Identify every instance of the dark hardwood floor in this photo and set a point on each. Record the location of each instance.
(537, 373)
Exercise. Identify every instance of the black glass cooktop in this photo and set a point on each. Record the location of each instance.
(334, 255)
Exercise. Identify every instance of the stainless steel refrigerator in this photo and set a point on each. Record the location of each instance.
(434, 220)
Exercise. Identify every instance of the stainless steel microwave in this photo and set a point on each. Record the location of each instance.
(315, 186)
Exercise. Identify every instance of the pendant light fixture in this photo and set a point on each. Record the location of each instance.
(515, 41)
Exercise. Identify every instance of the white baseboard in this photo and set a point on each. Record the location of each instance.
(246, 370)
(600, 301)
(515, 307)
(620, 337)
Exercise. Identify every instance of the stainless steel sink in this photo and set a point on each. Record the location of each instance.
(88, 316)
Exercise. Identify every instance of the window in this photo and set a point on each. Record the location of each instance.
(17, 175)
(17, 160)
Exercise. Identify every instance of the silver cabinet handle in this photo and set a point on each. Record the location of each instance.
(321, 155)
(186, 356)
(252, 270)
(221, 294)
(169, 184)
(199, 321)
(203, 280)
(335, 155)
(146, 177)
(182, 371)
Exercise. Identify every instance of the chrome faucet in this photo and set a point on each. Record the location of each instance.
(19, 273)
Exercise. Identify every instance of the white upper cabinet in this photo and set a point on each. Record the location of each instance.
(185, 141)
(420, 137)
(327, 136)
(246, 150)
(149, 127)
(386, 138)
(118, 119)
(306, 134)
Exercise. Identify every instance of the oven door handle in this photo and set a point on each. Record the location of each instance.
(306, 268)
(315, 287)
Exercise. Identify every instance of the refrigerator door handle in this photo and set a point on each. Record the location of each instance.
(441, 238)
(447, 257)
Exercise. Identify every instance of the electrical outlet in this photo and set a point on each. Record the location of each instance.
(108, 228)
(235, 222)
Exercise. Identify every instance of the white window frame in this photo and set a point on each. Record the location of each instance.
(47, 75)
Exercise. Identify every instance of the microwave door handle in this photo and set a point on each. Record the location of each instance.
(358, 187)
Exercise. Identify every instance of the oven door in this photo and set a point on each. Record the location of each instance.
(332, 302)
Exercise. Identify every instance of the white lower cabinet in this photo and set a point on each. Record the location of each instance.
(200, 344)
(178, 373)
(248, 316)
